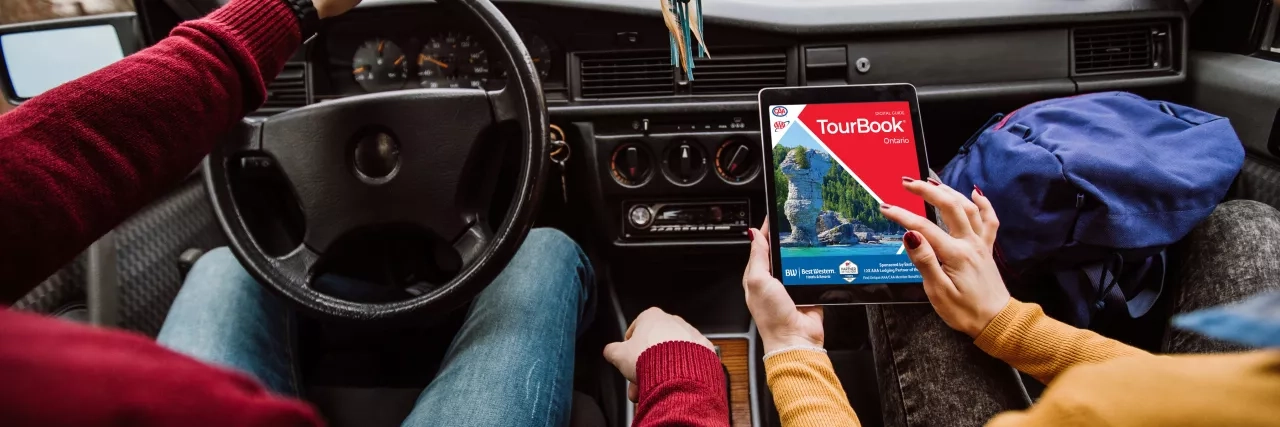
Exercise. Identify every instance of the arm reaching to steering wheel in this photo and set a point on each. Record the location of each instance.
(82, 157)
(79, 159)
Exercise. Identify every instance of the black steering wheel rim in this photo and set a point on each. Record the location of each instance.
(485, 250)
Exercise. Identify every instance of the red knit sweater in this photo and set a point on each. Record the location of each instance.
(79, 159)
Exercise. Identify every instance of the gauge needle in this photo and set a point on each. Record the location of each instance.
(362, 69)
(426, 58)
(537, 60)
(398, 60)
(381, 44)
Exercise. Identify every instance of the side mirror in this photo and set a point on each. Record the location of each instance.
(38, 56)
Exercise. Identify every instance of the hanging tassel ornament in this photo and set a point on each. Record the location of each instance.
(683, 19)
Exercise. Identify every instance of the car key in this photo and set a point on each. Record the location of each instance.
(560, 153)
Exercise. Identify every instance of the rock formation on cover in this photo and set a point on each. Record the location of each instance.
(805, 169)
(828, 220)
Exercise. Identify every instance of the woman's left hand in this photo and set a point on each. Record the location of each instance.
(780, 322)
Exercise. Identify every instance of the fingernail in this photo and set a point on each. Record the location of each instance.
(751, 234)
(935, 182)
(979, 190)
(912, 240)
(908, 179)
(886, 206)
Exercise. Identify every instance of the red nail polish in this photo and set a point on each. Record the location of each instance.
(935, 182)
(912, 240)
(751, 235)
(886, 206)
(979, 190)
(908, 179)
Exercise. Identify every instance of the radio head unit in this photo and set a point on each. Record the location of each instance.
(650, 220)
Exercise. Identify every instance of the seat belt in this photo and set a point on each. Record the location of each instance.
(102, 287)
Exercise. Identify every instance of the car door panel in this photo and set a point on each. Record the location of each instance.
(1246, 90)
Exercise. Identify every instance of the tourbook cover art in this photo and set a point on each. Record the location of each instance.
(834, 165)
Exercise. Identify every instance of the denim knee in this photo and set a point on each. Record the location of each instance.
(547, 272)
(218, 278)
(550, 249)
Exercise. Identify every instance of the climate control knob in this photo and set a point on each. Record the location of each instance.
(738, 160)
(631, 165)
(684, 163)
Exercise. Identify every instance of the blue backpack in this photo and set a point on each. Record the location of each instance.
(1090, 190)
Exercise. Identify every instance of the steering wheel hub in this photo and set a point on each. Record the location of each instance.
(376, 157)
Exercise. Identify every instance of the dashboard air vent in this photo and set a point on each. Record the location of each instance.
(626, 74)
(287, 91)
(738, 73)
(1121, 48)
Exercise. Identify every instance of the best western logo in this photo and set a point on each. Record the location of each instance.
(860, 126)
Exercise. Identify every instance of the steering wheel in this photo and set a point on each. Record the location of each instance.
(423, 158)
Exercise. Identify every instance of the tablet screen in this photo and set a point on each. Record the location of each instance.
(834, 165)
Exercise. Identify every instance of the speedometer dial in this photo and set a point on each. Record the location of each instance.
(379, 65)
(453, 60)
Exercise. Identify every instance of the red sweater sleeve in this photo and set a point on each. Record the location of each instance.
(58, 373)
(79, 159)
(681, 384)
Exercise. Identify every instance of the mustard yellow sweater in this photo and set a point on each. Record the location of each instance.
(1093, 381)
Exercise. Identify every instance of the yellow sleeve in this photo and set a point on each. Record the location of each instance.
(1239, 389)
(806, 390)
(1024, 337)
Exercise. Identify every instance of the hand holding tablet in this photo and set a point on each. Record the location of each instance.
(781, 323)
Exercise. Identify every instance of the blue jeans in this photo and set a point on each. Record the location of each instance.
(511, 363)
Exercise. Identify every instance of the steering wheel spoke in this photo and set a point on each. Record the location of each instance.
(471, 244)
(298, 264)
(506, 104)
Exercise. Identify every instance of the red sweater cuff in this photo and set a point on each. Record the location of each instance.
(263, 34)
(676, 360)
(266, 27)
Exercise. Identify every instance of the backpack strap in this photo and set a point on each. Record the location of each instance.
(1095, 286)
(1150, 276)
(998, 118)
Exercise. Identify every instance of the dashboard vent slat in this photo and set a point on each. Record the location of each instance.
(738, 73)
(287, 91)
(626, 74)
(1119, 48)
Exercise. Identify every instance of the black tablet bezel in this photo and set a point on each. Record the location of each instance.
(875, 293)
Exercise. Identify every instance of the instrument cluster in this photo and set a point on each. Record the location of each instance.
(442, 60)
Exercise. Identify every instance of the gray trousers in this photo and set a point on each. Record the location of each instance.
(931, 375)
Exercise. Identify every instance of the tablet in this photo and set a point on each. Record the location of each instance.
(838, 153)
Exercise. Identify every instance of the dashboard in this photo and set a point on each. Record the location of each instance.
(649, 142)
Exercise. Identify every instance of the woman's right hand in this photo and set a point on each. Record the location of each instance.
(960, 276)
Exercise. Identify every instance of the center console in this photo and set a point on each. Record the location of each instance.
(675, 180)
(672, 197)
